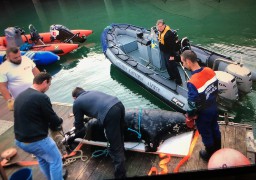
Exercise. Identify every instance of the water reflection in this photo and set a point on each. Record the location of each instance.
(40, 13)
(71, 60)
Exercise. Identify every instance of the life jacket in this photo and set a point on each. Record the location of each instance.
(162, 34)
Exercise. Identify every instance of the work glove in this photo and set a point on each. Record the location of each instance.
(190, 121)
(10, 104)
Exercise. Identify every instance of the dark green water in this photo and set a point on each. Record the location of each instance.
(225, 26)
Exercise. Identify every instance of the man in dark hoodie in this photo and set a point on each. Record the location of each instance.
(110, 112)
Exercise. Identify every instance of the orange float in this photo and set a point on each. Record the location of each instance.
(225, 158)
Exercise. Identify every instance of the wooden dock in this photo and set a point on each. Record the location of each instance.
(236, 136)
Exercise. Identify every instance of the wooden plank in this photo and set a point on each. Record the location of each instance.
(78, 167)
(252, 157)
(5, 113)
(105, 169)
(134, 163)
(7, 141)
(235, 124)
(137, 164)
(90, 167)
(145, 164)
(228, 137)
(195, 162)
(239, 138)
(173, 164)
(250, 142)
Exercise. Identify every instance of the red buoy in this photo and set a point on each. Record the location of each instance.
(227, 157)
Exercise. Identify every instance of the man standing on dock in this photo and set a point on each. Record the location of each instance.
(16, 75)
(110, 112)
(33, 116)
(202, 105)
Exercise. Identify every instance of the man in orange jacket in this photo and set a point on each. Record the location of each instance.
(202, 105)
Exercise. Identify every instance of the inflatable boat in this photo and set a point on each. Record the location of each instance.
(15, 36)
(59, 48)
(58, 33)
(135, 51)
(39, 57)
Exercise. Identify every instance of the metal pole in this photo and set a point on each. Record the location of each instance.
(184, 71)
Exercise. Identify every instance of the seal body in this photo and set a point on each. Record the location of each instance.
(152, 126)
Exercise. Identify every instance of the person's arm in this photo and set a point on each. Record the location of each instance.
(54, 120)
(192, 100)
(4, 91)
(35, 71)
(79, 117)
(7, 96)
(170, 43)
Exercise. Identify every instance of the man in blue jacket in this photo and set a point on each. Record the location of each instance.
(202, 105)
(110, 112)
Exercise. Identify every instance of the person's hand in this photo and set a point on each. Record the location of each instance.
(171, 58)
(10, 104)
(190, 121)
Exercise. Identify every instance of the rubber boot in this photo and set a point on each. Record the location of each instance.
(207, 153)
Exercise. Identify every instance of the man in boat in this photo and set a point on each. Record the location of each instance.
(33, 116)
(110, 112)
(167, 46)
(16, 75)
(202, 105)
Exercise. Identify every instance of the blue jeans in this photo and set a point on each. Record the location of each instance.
(48, 156)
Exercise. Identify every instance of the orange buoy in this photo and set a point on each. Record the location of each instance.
(227, 157)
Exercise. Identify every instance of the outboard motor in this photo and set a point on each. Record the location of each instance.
(242, 74)
(243, 77)
(35, 37)
(13, 36)
(227, 88)
(63, 34)
(185, 44)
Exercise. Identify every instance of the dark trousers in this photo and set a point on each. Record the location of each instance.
(172, 68)
(113, 125)
(208, 127)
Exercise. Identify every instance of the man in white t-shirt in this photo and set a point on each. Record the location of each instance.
(16, 75)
